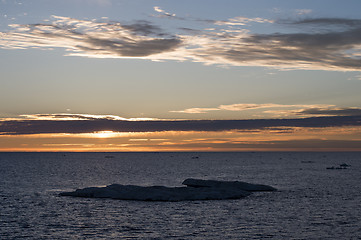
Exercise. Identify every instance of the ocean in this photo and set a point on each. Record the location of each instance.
(316, 198)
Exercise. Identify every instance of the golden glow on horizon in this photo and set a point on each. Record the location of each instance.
(105, 134)
(271, 139)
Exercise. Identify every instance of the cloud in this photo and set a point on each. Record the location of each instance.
(196, 110)
(319, 111)
(249, 106)
(282, 110)
(72, 117)
(331, 112)
(91, 38)
(144, 28)
(242, 21)
(327, 51)
(332, 43)
(353, 23)
(158, 9)
(91, 124)
(303, 11)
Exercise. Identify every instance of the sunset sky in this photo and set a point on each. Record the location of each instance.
(190, 75)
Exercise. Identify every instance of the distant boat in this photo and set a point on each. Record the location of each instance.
(345, 165)
(341, 166)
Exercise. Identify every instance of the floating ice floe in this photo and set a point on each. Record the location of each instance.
(196, 190)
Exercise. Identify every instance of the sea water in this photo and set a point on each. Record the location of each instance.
(312, 201)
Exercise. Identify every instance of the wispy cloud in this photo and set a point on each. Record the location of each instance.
(91, 38)
(249, 106)
(282, 110)
(196, 110)
(318, 111)
(329, 22)
(73, 117)
(331, 111)
(333, 44)
(240, 21)
(159, 10)
(303, 11)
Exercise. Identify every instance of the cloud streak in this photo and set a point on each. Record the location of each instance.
(331, 112)
(90, 125)
(331, 44)
(241, 21)
(159, 10)
(303, 11)
(75, 117)
(250, 106)
(92, 39)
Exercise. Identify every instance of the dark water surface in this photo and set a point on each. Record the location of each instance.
(313, 202)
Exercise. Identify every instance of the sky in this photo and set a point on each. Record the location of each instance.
(191, 75)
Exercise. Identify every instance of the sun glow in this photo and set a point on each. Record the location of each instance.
(105, 134)
(271, 139)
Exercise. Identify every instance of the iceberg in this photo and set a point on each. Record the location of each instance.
(195, 189)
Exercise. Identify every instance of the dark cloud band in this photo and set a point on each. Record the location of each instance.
(330, 112)
(19, 127)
